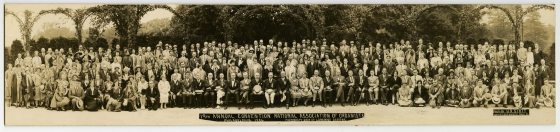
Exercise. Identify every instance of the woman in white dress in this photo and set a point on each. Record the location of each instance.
(530, 57)
(163, 87)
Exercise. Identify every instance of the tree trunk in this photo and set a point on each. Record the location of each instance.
(79, 33)
(26, 41)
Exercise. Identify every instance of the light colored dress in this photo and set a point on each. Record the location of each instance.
(530, 58)
(164, 87)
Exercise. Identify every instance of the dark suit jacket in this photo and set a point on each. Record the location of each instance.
(383, 81)
(254, 83)
(329, 82)
(348, 81)
(91, 95)
(364, 82)
(283, 84)
(231, 86)
(270, 85)
(197, 84)
(394, 82)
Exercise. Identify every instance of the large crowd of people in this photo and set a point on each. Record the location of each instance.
(281, 74)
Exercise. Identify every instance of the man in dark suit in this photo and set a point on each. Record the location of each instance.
(376, 67)
(198, 86)
(232, 90)
(92, 99)
(152, 96)
(257, 93)
(283, 89)
(420, 95)
(270, 89)
(345, 67)
(361, 89)
(384, 86)
(186, 92)
(542, 73)
(328, 90)
(209, 94)
(395, 83)
(352, 86)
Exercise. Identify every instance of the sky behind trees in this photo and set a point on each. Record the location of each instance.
(51, 21)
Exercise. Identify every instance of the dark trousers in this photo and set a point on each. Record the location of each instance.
(390, 94)
(152, 105)
(328, 96)
(209, 99)
(231, 97)
(351, 95)
(340, 95)
(383, 92)
(198, 100)
(186, 100)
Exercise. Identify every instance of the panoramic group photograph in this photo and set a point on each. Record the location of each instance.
(279, 64)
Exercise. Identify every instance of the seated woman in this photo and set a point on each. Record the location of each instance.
(130, 98)
(404, 96)
(518, 95)
(220, 90)
(60, 99)
(547, 95)
(92, 99)
(420, 95)
(452, 95)
(530, 98)
(304, 85)
(294, 89)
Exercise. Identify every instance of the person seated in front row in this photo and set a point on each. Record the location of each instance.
(548, 93)
(115, 99)
(152, 95)
(420, 95)
(404, 95)
(480, 94)
(465, 95)
(76, 94)
(92, 99)
(498, 93)
(129, 98)
(257, 90)
(60, 99)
